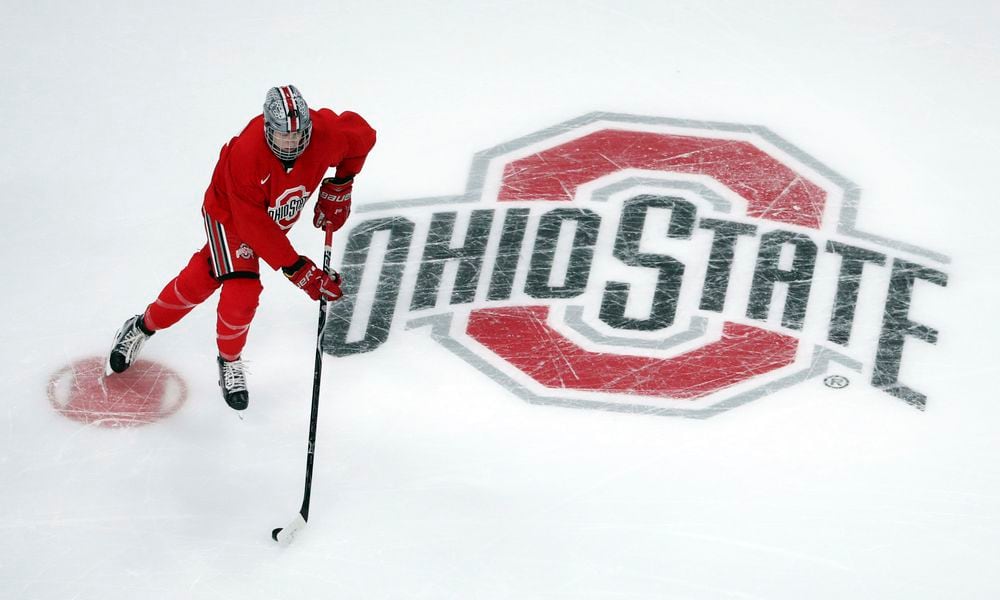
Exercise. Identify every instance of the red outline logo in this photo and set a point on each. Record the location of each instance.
(146, 393)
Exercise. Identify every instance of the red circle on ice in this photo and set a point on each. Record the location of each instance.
(147, 392)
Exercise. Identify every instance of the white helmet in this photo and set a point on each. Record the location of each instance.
(287, 124)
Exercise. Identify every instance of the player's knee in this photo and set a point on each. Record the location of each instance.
(240, 297)
(195, 283)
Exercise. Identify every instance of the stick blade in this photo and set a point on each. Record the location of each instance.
(285, 535)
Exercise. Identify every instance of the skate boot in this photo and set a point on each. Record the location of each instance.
(128, 343)
(233, 382)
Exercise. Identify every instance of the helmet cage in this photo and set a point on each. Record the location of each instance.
(287, 146)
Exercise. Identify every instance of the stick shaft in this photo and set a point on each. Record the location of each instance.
(317, 377)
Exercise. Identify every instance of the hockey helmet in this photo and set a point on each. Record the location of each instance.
(287, 124)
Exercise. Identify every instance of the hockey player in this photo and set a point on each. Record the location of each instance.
(262, 180)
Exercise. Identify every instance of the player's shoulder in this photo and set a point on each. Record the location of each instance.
(250, 146)
(347, 122)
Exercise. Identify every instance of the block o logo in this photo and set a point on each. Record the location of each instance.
(639, 264)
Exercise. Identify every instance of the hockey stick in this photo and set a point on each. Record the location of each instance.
(285, 535)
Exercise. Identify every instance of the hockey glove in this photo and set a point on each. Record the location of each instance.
(334, 203)
(313, 281)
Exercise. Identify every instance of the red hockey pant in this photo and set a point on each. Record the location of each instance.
(192, 286)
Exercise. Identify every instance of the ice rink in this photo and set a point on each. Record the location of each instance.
(509, 420)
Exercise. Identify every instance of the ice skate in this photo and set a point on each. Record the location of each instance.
(233, 382)
(128, 343)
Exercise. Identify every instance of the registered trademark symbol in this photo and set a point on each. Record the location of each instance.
(837, 382)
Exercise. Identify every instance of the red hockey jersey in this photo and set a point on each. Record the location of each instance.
(254, 196)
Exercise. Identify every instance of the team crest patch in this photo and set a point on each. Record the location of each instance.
(643, 264)
(244, 252)
(286, 208)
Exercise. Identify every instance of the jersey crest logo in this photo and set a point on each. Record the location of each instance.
(286, 208)
(644, 265)
(244, 252)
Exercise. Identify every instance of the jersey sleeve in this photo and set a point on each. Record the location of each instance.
(248, 208)
(360, 140)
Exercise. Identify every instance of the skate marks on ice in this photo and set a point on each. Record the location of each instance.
(642, 264)
(148, 392)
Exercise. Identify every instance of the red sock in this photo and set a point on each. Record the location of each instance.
(237, 306)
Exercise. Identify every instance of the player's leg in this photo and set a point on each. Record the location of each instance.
(192, 286)
(237, 306)
(238, 269)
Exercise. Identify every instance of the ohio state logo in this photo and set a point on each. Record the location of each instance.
(641, 264)
(286, 209)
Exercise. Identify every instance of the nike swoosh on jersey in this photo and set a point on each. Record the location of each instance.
(263, 181)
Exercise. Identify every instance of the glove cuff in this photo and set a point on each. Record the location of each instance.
(292, 268)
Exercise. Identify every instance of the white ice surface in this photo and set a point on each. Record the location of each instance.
(448, 486)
